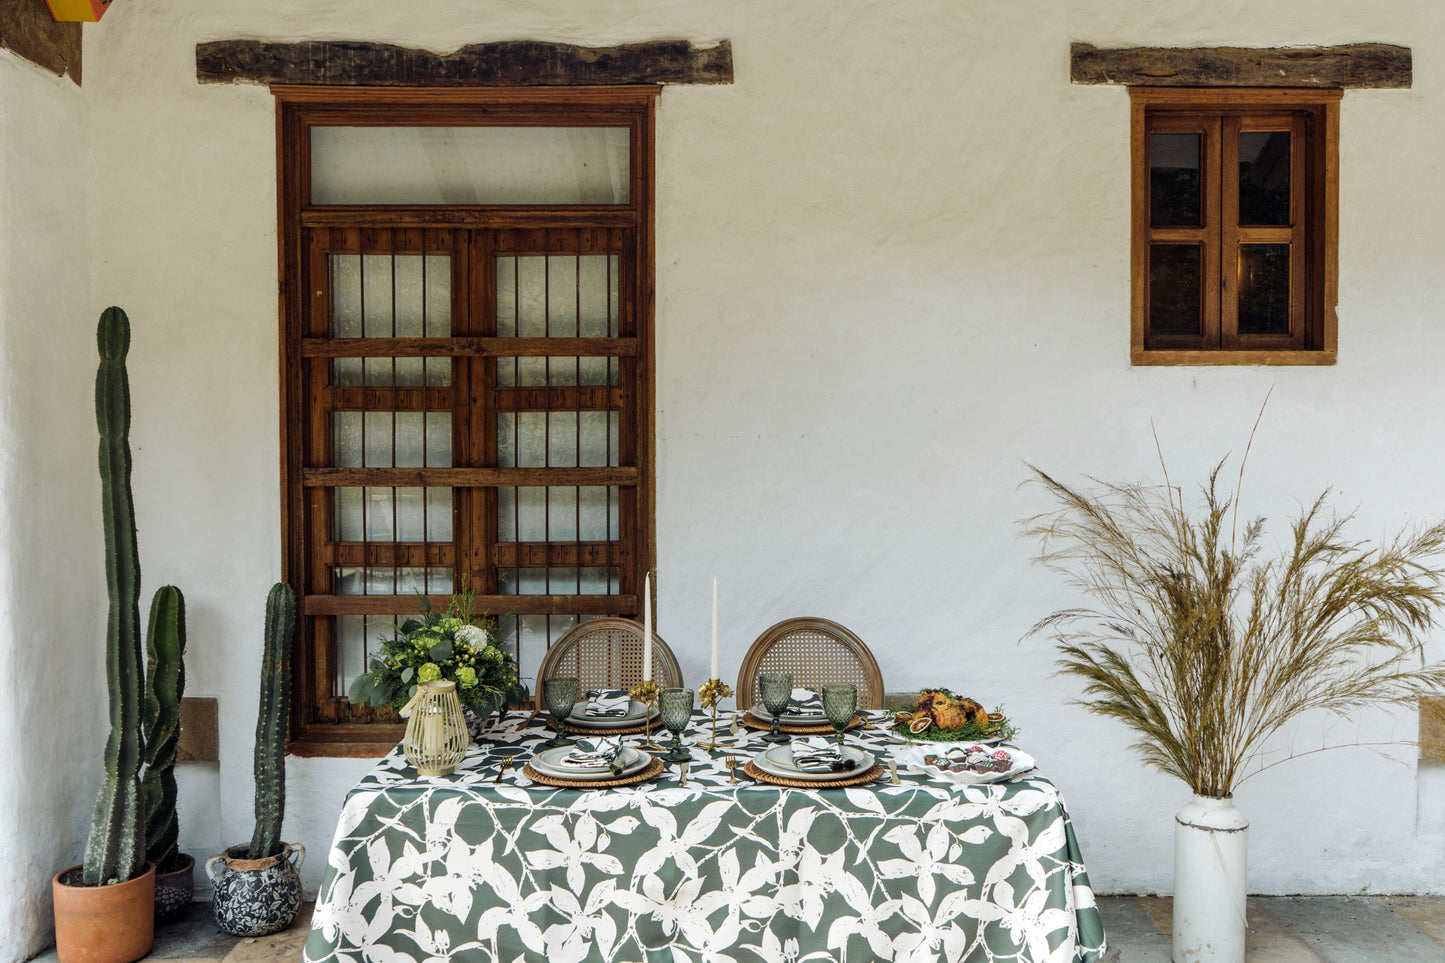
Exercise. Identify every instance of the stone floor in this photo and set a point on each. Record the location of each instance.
(1332, 929)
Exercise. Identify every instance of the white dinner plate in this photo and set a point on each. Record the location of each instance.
(778, 761)
(791, 718)
(634, 717)
(547, 762)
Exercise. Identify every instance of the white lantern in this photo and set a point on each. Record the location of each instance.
(436, 729)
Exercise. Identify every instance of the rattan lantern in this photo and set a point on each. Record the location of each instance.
(436, 729)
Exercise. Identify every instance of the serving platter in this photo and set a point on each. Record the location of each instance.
(914, 758)
(778, 761)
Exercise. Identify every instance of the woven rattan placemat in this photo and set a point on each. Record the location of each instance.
(753, 722)
(650, 771)
(603, 733)
(875, 772)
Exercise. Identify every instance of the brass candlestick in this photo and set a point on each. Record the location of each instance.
(647, 693)
(709, 693)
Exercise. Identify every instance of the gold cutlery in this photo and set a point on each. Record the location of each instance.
(893, 772)
(682, 776)
(731, 761)
(502, 770)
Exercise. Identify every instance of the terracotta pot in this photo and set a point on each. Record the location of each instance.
(104, 924)
(175, 889)
(254, 897)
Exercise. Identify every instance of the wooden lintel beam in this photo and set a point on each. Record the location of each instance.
(504, 63)
(1346, 65)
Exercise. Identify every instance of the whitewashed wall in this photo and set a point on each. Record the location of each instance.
(892, 271)
(52, 589)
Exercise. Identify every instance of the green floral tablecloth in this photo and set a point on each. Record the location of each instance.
(457, 867)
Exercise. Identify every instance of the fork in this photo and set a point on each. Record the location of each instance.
(682, 775)
(731, 761)
(502, 770)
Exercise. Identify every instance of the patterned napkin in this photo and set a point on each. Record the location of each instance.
(613, 703)
(817, 754)
(805, 702)
(595, 753)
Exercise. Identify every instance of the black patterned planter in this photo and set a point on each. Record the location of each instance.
(254, 897)
(175, 889)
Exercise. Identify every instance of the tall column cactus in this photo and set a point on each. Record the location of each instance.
(115, 850)
(271, 722)
(165, 683)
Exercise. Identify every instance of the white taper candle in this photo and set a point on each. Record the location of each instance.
(647, 628)
(714, 674)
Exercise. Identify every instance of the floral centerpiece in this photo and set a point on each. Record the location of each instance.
(457, 645)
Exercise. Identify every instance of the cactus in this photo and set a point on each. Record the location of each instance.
(271, 722)
(115, 850)
(165, 682)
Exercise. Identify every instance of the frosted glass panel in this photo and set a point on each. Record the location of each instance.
(558, 295)
(393, 581)
(559, 581)
(561, 514)
(393, 514)
(402, 439)
(357, 637)
(469, 165)
(560, 372)
(390, 295)
(540, 439)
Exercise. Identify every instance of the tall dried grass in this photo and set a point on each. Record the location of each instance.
(1206, 648)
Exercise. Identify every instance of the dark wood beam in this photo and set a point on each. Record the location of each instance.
(505, 63)
(28, 30)
(1346, 65)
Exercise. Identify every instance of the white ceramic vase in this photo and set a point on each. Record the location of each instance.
(1211, 853)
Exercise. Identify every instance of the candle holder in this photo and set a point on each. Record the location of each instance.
(709, 694)
(647, 693)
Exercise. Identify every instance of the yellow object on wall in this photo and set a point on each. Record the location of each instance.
(87, 11)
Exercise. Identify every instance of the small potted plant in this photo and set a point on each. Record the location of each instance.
(1206, 646)
(458, 646)
(258, 887)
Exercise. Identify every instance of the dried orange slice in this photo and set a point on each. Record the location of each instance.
(920, 724)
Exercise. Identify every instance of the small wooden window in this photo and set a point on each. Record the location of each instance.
(1234, 225)
(466, 370)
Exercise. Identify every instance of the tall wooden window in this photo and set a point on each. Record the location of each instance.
(1234, 198)
(466, 370)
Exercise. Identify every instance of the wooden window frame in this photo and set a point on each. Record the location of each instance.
(322, 725)
(1314, 113)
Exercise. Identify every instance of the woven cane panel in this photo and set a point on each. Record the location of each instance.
(607, 654)
(815, 652)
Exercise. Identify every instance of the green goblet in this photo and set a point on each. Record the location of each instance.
(675, 707)
(840, 702)
(777, 692)
(561, 693)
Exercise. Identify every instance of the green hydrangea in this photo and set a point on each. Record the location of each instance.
(430, 672)
(467, 677)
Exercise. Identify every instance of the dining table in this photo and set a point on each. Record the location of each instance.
(700, 863)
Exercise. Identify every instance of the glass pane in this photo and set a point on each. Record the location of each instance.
(1174, 288)
(560, 372)
(558, 295)
(385, 296)
(559, 514)
(469, 165)
(559, 580)
(1174, 180)
(1264, 289)
(1264, 177)
(422, 439)
(392, 581)
(357, 637)
(393, 514)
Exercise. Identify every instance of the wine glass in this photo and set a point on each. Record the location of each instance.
(777, 692)
(561, 694)
(675, 706)
(840, 702)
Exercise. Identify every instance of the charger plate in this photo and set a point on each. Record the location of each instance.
(628, 730)
(651, 771)
(878, 771)
(754, 722)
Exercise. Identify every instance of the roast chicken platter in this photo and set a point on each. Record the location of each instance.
(940, 715)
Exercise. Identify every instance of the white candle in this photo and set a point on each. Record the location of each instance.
(647, 628)
(714, 674)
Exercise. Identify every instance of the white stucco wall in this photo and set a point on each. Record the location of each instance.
(52, 596)
(892, 270)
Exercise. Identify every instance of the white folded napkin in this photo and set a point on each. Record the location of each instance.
(608, 703)
(816, 754)
(595, 753)
(806, 701)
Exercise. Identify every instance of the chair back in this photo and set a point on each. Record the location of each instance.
(607, 654)
(815, 651)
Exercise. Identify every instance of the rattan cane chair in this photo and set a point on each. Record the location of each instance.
(607, 654)
(815, 651)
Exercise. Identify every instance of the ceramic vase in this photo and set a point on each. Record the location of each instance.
(175, 889)
(1211, 849)
(254, 897)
